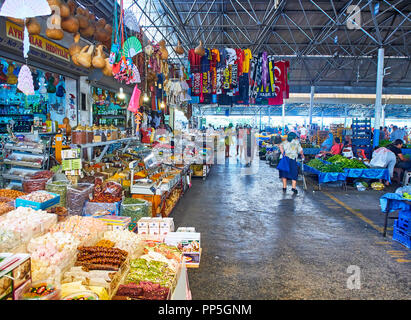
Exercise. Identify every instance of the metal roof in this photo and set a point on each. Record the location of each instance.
(315, 35)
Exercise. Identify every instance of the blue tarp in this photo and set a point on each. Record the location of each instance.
(324, 177)
(369, 173)
(393, 201)
(406, 151)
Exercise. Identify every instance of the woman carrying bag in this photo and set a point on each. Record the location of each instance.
(288, 168)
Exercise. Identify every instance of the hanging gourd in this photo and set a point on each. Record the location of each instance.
(200, 49)
(54, 30)
(11, 77)
(33, 26)
(64, 10)
(81, 15)
(163, 50)
(84, 57)
(108, 69)
(75, 48)
(70, 23)
(91, 29)
(98, 60)
(179, 49)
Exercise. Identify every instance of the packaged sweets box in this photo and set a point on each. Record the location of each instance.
(15, 272)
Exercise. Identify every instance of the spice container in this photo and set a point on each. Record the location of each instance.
(108, 133)
(89, 134)
(58, 187)
(96, 134)
(78, 135)
(77, 195)
(103, 133)
(114, 133)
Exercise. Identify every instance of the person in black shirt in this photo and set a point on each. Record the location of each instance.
(402, 162)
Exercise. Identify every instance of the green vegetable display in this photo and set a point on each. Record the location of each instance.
(324, 167)
(345, 163)
(384, 143)
(406, 195)
(154, 271)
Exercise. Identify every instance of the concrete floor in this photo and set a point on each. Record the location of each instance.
(259, 243)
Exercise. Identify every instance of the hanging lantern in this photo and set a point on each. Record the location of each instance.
(25, 81)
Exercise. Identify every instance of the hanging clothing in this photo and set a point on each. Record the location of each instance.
(246, 62)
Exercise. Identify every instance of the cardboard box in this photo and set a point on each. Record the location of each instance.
(164, 231)
(142, 223)
(142, 230)
(154, 231)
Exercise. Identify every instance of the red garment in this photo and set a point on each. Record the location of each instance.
(240, 60)
(145, 135)
(195, 61)
(336, 148)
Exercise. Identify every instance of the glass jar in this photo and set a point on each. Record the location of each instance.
(108, 133)
(103, 134)
(89, 134)
(96, 134)
(114, 133)
(78, 135)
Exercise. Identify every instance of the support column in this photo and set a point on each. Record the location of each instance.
(269, 116)
(345, 116)
(383, 116)
(310, 111)
(378, 95)
(322, 119)
(260, 119)
(283, 117)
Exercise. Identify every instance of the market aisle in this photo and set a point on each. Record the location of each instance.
(260, 244)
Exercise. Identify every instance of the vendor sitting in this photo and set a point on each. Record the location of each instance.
(335, 149)
(402, 162)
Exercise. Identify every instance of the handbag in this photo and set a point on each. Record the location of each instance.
(284, 164)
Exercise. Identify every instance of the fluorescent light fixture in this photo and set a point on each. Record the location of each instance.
(121, 95)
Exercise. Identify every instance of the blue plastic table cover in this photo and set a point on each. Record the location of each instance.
(406, 151)
(369, 173)
(324, 177)
(393, 201)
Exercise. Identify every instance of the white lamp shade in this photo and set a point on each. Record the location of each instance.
(21, 9)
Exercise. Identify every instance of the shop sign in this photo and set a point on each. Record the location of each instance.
(16, 32)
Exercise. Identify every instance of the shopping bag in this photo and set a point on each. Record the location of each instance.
(284, 164)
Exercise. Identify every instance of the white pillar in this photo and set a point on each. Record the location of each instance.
(383, 116)
(345, 116)
(283, 117)
(322, 119)
(269, 116)
(310, 111)
(378, 95)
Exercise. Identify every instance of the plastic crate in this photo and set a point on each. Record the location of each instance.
(400, 236)
(404, 221)
(38, 205)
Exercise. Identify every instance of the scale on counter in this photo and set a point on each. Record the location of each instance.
(144, 186)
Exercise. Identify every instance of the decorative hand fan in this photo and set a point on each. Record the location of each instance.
(25, 9)
(25, 81)
(132, 47)
(130, 21)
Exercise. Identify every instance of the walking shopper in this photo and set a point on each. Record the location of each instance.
(228, 139)
(290, 149)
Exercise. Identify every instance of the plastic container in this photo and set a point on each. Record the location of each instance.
(78, 135)
(401, 236)
(82, 295)
(101, 208)
(89, 134)
(96, 134)
(38, 205)
(60, 188)
(36, 181)
(41, 290)
(77, 195)
(139, 209)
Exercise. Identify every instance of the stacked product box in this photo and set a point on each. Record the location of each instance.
(71, 163)
(15, 274)
(155, 226)
(188, 241)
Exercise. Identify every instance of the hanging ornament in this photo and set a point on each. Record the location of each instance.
(26, 44)
(130, 20)
(25, 81)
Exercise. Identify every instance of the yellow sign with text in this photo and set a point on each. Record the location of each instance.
(16, 32)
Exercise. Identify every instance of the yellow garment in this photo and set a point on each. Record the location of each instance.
(246, 63)
(217, 53)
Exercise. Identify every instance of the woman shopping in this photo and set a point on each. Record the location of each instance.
(290, 149)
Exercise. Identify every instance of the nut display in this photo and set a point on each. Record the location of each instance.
(38, 196)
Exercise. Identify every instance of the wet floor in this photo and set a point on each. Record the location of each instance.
(259, 243)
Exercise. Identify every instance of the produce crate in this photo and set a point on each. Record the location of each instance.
(401, 236)
(39, 205)
(404, 221)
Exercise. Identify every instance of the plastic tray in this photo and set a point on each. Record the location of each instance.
(39, 205)
(400, 236)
